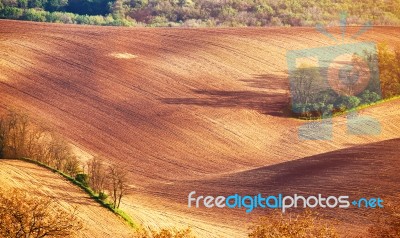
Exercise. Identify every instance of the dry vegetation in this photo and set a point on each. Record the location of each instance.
(310, 225)
(166, 233)
(20, 138)
(292, 226)
(389, 67)
(26, 216)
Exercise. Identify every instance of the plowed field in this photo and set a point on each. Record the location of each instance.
(192, 109)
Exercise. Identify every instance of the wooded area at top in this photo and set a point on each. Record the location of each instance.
(202, 12)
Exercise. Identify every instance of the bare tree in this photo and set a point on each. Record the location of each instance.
(305, 84)
(118, 187)
(24, 216)
(97, 174)
(13, 134)
(16, 130)
(72, 166)
(18, 136)
(34, 143)
(56, 152)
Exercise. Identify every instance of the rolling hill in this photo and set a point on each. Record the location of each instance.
(186, 109)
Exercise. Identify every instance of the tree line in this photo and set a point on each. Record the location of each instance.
(21, 138)
(194, 13)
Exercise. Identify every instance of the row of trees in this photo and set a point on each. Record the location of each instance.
(261, 12)
(21, 138)
(221, 13)
(39, 15)
(101, 178)
(324, 106)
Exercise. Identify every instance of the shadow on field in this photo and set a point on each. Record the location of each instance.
(270, 98)
(268, 82)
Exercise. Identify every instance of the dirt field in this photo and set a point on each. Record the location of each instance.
(188, 109)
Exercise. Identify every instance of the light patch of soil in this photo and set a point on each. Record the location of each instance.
(123, 55)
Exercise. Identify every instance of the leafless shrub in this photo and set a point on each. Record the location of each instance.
(305, 225)
(117, 183)
(24, 216)
(166, 233)
(97, 174)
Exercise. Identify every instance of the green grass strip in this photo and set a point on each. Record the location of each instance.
(89, 191)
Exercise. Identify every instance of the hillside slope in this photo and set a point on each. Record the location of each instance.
(97, 221)
(196, 101)
(173, 104)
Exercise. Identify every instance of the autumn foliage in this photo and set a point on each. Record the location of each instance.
(26, 216)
